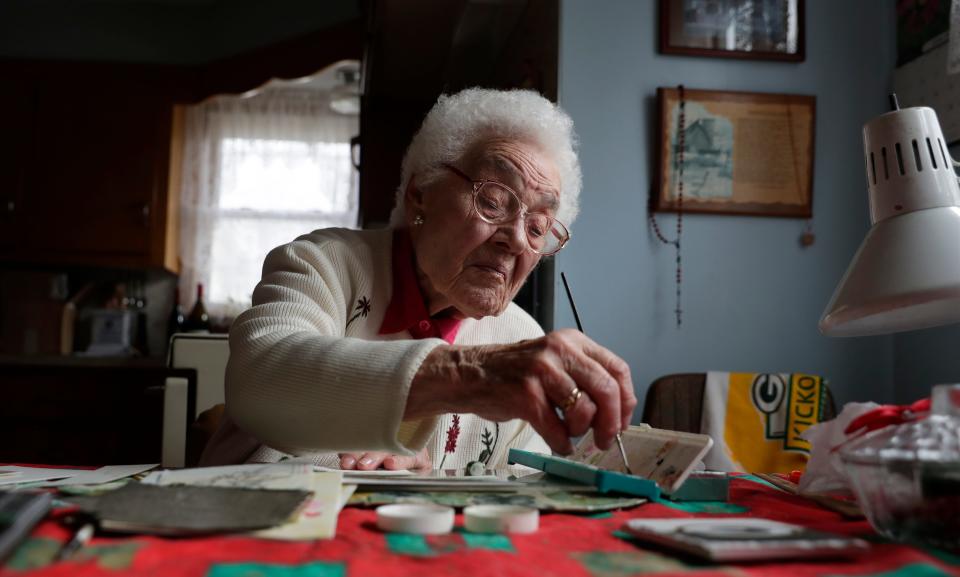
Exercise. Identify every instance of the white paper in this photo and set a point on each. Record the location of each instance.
(15, 475)
(102, 475)
(265, 476)
(318, 520)
(437, 480)
(346, 491)
(373, 473)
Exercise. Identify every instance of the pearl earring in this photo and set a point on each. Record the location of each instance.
(418, 220)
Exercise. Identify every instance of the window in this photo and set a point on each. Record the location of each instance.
(259, 171)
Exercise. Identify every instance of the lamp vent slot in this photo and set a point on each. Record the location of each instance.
(873, 169)
(933, 159)
(916, 155)
(899, 158)
(943, 155)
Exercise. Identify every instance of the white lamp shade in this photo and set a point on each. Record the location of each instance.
(905, 276)
(906, 273)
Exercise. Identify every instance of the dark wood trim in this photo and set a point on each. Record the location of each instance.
(94, 413)
(294, 58)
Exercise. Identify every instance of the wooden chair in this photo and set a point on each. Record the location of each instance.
(190, 419)
(201, 431)
(675, 402)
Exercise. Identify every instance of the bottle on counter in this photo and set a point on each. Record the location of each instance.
(137, 305)
(198, 321)
(176, 320)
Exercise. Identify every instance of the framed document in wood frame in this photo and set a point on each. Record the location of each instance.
(754, 29)
(743, 153)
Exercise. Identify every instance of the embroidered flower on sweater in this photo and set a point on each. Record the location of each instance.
(453, 433)
(362, 308)
(489, 442)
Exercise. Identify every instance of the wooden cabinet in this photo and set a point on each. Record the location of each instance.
(67, 411)
(89, 154)
(89, 183)
(15, 145)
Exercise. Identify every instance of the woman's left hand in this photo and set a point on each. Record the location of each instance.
(375, 459)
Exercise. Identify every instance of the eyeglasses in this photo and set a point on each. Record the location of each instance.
(497, 203)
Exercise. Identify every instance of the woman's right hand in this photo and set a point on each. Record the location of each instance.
(529, 380)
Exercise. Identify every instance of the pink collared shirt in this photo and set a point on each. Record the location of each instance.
(407, 310)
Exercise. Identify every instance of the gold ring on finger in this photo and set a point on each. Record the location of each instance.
(571, 399)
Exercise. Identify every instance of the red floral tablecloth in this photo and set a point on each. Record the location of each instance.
(568, 545)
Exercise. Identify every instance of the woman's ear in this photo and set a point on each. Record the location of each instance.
(413, 196)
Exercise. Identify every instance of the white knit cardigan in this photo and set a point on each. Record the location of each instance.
(310, 375)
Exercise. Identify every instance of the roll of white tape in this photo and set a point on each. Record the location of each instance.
(501, 519)
(414, 518)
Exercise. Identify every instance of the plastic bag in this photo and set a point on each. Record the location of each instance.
(824, 472)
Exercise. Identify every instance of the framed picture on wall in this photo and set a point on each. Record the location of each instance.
(757, 29)
(738, 152)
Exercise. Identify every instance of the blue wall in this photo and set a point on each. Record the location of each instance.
(925, 358)
(751, 295)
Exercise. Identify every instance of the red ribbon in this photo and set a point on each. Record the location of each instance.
(886, 415)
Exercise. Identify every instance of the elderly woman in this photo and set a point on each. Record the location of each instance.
(401, 347)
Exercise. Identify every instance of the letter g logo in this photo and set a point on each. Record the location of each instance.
(768, 392)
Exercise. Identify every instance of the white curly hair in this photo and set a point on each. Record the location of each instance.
(458, 122)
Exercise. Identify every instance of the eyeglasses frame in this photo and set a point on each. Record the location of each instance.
(524, 209)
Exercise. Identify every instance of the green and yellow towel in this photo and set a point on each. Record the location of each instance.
(756, 420)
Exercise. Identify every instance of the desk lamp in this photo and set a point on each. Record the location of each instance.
(906, 273)
(906, 276)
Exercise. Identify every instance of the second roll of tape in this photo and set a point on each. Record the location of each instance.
(501, 519)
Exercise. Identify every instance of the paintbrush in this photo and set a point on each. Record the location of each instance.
(576, 317)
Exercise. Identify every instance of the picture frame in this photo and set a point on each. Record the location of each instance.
(749, 29)
(745, 153)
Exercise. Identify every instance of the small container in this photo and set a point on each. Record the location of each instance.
(907, 477)
(501, 519)
(426, 519)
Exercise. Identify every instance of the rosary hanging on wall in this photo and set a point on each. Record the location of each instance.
(703, 135)
(678, 168)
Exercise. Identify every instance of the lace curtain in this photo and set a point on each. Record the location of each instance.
(258, 172)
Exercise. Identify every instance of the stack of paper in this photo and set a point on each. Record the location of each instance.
(187, 510)
(501, 480)
(317, 520)
(41, 477)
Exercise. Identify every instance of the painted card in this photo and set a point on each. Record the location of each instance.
(666, 457)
